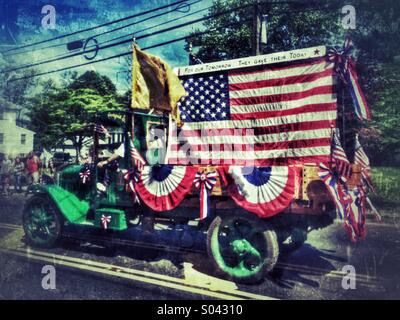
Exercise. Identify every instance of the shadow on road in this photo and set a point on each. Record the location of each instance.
(307, 260)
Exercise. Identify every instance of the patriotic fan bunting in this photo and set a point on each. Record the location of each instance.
(105, 220)
(84, 174)
(205, 181)
(345, 68)
(163, 187)
(264, 191)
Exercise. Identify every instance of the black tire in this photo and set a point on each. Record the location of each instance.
(46, 231)
(295, 241)
(246, 259)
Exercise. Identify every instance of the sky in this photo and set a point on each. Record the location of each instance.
(21, 23)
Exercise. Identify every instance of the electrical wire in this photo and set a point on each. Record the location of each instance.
(128, 40)
(176, 9)
(95, 27)
(124, 53)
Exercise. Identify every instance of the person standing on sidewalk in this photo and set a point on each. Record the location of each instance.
(19, 168)
(33, 164)
(5, 173)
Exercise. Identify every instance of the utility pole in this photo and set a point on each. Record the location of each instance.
(256, 31)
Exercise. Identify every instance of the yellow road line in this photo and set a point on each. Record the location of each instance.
(132, 274)
(10, 226)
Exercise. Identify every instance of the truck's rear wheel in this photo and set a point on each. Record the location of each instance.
(242, 247)
(42, 222)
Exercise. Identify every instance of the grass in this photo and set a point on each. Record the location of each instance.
(387, 183)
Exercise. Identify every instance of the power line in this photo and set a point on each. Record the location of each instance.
(155, 26)
(177, 8)
(128, 40)
(123, 53)
(95, 27)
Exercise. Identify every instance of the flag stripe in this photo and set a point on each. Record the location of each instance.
(262, 122)
(285, 105)
(280, 81)
(297, 126)
(280, 113)
(260, 138)
(303, 143)
(281, 89)
(283, 97)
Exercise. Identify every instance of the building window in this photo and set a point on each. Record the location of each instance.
(1, 138)
(23, 138)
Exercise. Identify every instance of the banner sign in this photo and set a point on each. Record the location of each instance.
(285, 56)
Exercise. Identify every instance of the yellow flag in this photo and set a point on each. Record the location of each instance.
(154, 84)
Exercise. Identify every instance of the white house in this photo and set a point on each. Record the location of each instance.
(14, 140)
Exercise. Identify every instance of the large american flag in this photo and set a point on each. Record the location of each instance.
(264, 115)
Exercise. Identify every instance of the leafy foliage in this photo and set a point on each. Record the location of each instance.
(58, 114)
(291, 25)
(93, 80)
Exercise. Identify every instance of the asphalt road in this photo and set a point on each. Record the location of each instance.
(139, 270)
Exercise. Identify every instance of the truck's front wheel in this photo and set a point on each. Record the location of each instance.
(42, 222)
(242, 247)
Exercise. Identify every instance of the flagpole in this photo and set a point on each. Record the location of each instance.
(331, 155)
(343, 121)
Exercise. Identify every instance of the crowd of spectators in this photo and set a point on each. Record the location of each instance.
(14, 173)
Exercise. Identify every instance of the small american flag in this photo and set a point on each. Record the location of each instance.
(136, 157)
(269, 115)
(361, 159)
(343, 165)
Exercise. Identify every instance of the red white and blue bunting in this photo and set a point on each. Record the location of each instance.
(206, 182)
(163, 187)
(84, 174)
(264, 191)
(345, 68)
(105, 220)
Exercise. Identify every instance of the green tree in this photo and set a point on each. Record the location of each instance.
(15, 91)
(382, 135)
(95, 81)
(291, 25)
(68, 114)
